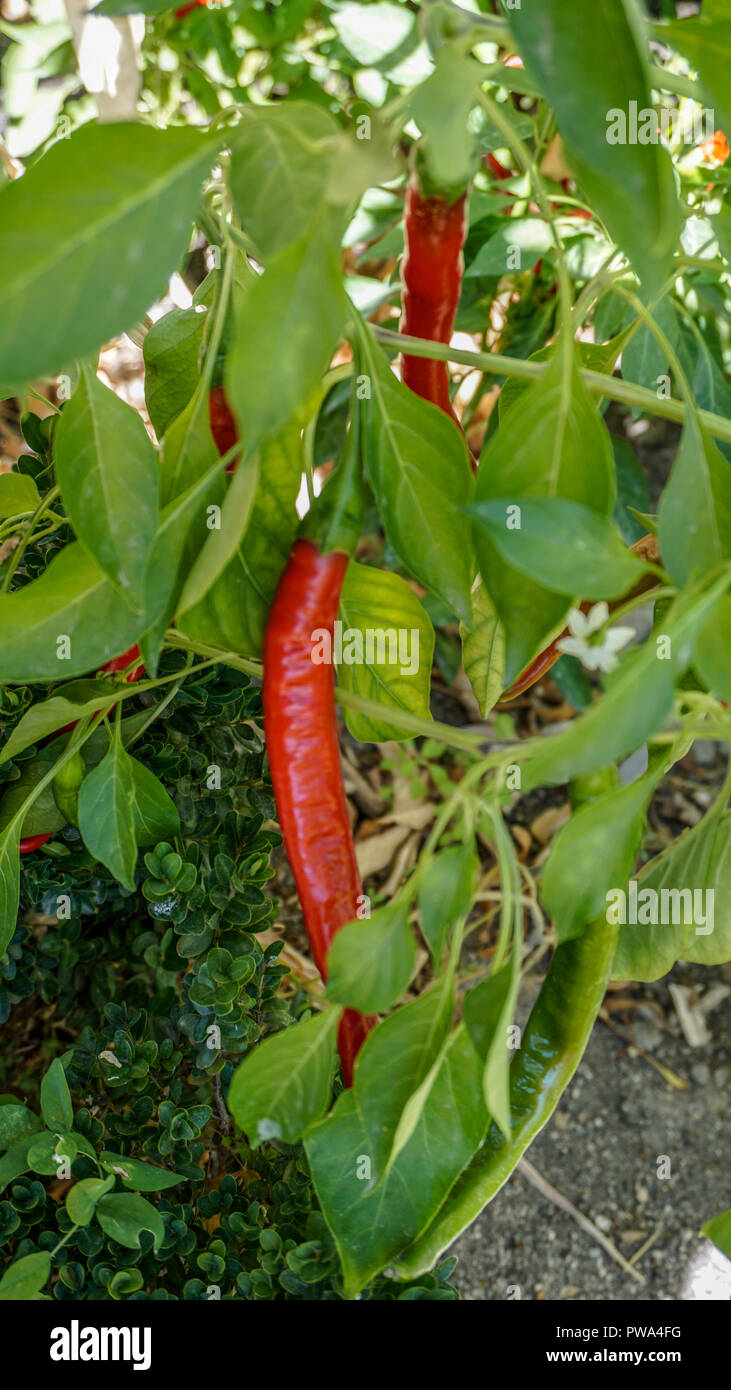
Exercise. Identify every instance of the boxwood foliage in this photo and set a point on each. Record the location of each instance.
(123, 1022)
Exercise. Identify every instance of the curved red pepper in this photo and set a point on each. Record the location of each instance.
(223, 425)
(431, 271)
(302, 740)
(32, 842)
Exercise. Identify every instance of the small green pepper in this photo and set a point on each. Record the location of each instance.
(66, 786)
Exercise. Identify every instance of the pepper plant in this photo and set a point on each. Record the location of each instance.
(361, 180)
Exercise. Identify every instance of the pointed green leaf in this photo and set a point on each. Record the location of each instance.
(107, 470)
(285, 1083)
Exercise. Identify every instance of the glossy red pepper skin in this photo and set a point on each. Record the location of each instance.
(186, 9)
(223, 425)
(431, 271)
(32, 842)
(304, 758)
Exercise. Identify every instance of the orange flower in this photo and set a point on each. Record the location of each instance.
(715, 147)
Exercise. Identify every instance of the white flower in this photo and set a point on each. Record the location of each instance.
(595, 656)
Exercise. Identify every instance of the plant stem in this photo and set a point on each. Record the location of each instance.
(614, 387)
(43, 506)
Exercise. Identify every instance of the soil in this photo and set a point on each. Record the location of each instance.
(636, 1155)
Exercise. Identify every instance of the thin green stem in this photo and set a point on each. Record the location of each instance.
(42, 507)
(614, 387)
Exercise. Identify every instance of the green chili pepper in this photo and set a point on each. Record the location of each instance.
(552, 1046)
(66, 786)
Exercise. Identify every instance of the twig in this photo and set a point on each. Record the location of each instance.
(221, 1108)
(547, 1190)
(644, 1248)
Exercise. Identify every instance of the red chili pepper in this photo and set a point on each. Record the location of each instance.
(223, 425)
(32, 842)
(498, 169)
(186, 9)
(302, 740)
(120, 663)
(431, 270)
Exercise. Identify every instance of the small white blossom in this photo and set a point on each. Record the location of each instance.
(598, 655)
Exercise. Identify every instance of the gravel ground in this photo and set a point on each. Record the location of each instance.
(602, 1150)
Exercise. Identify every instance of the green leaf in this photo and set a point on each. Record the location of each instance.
(16, 1122)
(188, 450)
(56, 1107)
(694, 528)
(599, 357)
(483, 650)
(446, 886)
(712, 655)
(143, 1177)
(698, 864)
(636, 701)
(18, 493)
(124, 196)
(441, 106)
(285, 1083)
(82, 1198)
(9, 882)
(233, 613)
(589, 65)
(516, 246)
(42, 814)
(388, 649)
(224, 539)
(107, 813)
(371, 1221)
(392, 1066)
(632, 491)
(644, 359)
(154, 812)
(562, 545)
(293, 315)
(15, 1161)
(171, 350)
(74, 600)
(182, 533)
(370, 963)
(417, 463)
(593, 853)
(718, 1229)
(25, 1277)
(107, 470)
(124, 1216)
(488, 1012)
(281, 164)
(73, 702)
(540, 450)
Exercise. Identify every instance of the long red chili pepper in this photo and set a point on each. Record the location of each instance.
(431, 270)
(223, 425)
(116, 663)
(302, 740)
